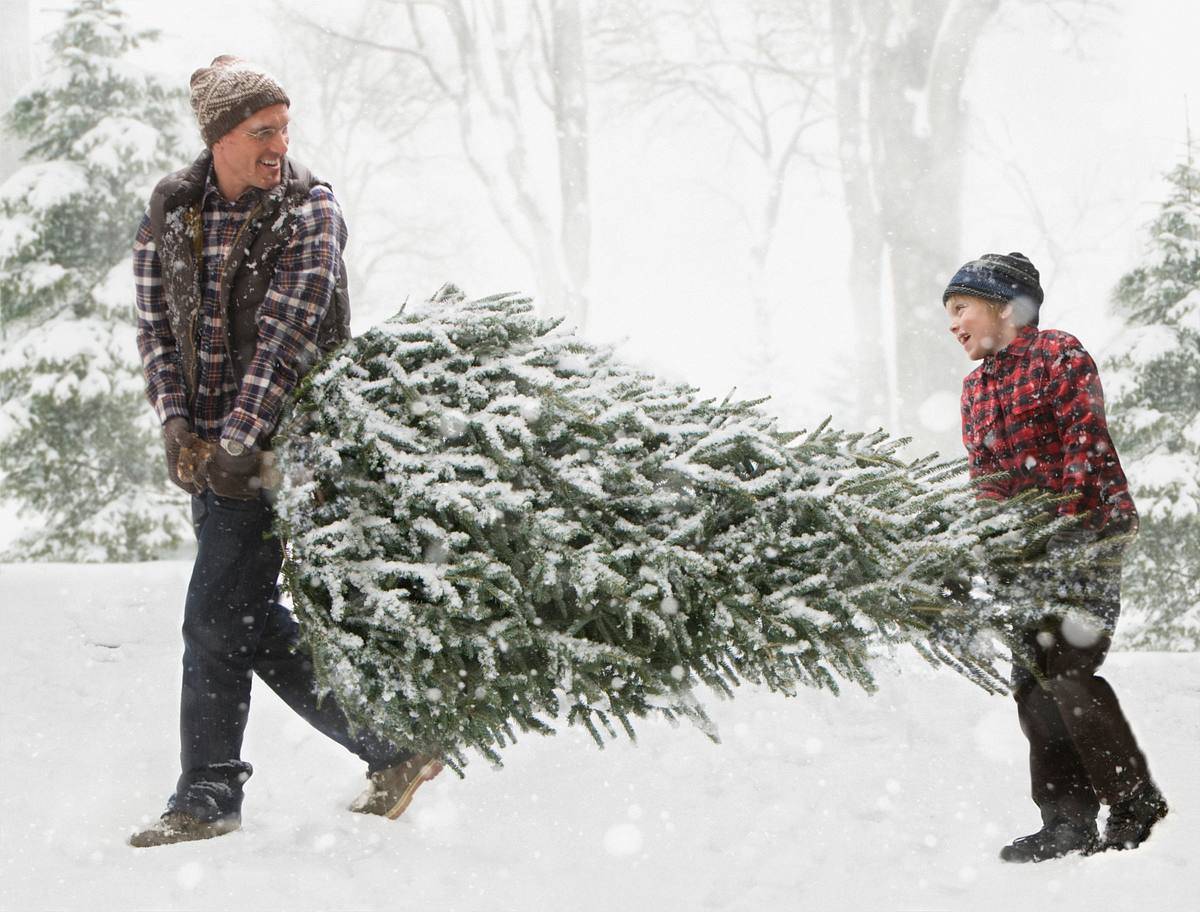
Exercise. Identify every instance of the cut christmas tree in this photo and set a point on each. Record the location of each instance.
(493, 524)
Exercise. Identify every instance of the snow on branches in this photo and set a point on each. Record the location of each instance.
(493, 524)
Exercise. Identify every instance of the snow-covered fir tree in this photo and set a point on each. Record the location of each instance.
(1155, 419)
(493, 524)
(80, 452)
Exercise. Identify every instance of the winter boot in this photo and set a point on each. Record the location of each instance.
(1054, 840)
(391, 790)
(176, 826)
(1130, 821)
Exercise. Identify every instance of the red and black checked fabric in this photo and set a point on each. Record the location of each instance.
(1035, 410)
(288, 318)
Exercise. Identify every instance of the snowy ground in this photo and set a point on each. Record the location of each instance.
(897, 801)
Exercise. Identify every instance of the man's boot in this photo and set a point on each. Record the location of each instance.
(1130, 821)
(391, 790)
(1054, 840)
(176, 826)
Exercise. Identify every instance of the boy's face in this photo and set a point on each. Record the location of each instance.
(981, 327)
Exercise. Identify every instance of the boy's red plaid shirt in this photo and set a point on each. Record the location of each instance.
(1035, 410)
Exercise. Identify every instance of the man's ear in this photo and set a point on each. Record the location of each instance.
(218, 153)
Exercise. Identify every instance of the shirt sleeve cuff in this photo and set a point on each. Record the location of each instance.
(171, 406)
(244, 428)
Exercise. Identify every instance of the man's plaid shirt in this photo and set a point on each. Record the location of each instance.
(300, 292)
(1035, 410)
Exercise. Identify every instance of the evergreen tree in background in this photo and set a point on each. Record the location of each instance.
(80, 451)
(1155, 406)
(492, 525)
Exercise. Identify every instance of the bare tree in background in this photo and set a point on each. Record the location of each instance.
(899, 71)
(899, 74)
(516, 82)
(360, 115)
(16, 69)
(894, 85)
(756, 70)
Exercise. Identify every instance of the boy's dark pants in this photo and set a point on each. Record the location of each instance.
(1081, 749)
(233, 628)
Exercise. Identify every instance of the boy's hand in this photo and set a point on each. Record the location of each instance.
(1070, 540)
(957, 589)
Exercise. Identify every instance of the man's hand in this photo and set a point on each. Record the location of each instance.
(238, 477)
(177, 434)
(193, 462)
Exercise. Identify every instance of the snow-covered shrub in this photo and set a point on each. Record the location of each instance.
(1154, 406)
(79, 448)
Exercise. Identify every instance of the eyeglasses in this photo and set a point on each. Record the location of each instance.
(266, 134)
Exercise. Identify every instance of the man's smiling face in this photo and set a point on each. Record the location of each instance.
(251, 154)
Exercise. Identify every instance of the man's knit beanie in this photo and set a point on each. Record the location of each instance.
(229, 90)
(997, 277)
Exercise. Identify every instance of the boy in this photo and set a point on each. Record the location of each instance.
(1034, 411)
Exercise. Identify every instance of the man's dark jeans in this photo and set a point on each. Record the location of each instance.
(1081, 749)
(233, 628)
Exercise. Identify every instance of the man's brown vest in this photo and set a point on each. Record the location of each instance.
(178, 229)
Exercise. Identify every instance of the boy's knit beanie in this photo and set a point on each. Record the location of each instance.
(229, 90)
(998, 277)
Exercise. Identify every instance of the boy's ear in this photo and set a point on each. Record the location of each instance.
(1006, 312)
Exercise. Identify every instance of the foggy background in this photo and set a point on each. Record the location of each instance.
(764, 195)
(767, 196)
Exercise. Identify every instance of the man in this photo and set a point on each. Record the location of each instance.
(1033, 417)
(240, 289)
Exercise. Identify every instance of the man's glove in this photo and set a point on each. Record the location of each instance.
(178, 436)
(193, 462)
(238, 477)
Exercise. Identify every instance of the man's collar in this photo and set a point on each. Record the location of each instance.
(210, 182)
(249, 196)
(212, 189)
(1013, 350)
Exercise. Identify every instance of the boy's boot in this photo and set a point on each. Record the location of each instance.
(178, 826)
(1054, 840)
(1130, 821)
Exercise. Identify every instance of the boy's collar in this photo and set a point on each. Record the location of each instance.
(1014, 349)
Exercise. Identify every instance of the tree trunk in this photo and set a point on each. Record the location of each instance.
(571, 128)
(851, 56)
(16, 69)
(912, 61)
